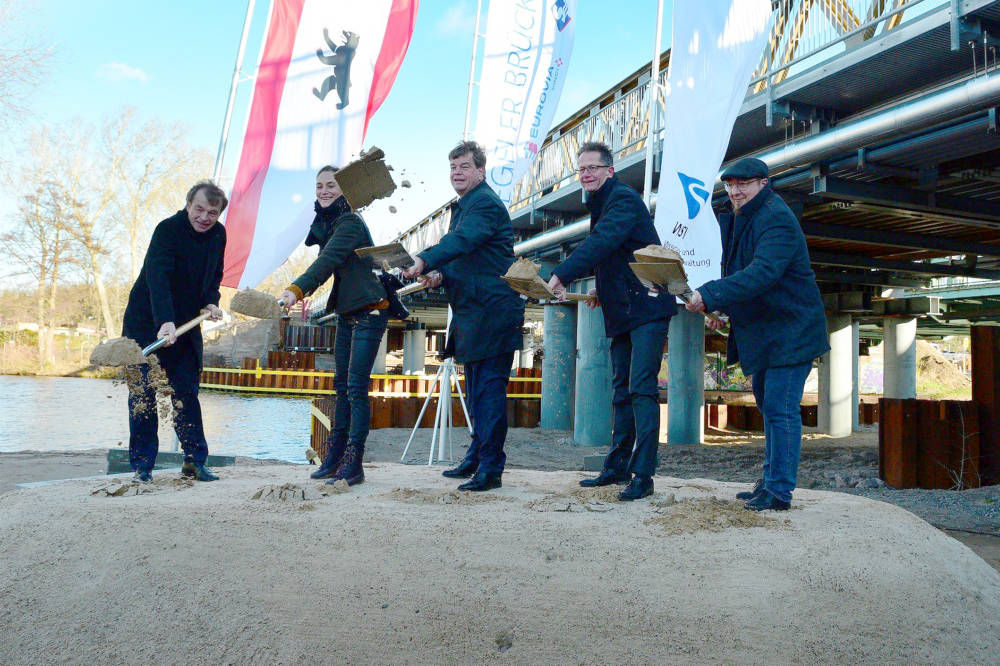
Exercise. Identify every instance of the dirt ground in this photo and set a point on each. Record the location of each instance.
(265, 566)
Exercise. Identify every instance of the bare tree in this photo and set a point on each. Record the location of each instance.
(21, 62)
(39, 245)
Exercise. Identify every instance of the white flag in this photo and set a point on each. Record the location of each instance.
(325, 68)
(526, 56)
(716, 45)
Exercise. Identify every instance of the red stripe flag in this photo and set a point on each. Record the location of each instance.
(325, 68)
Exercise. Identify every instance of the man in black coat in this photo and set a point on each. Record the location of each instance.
(635, 319)
(488, 315)
(776, 317)
(180, 277)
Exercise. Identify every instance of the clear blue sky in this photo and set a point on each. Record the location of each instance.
(174, 60)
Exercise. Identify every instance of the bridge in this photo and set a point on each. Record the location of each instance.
(879, 122)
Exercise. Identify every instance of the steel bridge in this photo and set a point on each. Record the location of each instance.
(879, 120)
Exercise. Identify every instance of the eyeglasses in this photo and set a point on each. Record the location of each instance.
(591, 169)
(731, 185)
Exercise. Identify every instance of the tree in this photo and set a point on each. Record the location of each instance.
(21, 62)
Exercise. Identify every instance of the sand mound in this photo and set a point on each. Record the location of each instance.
(423, 496)
(523, 269)
(846, 580)
(933, 367)
(656, 253)
(709, 514)
(257, 304)
(117, 352)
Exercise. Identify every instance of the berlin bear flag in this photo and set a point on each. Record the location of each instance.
(325, 68)
(525, 59)
(716, 45)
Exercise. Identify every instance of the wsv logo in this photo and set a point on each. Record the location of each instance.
(695, 193)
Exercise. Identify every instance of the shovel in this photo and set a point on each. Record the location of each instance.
(125, 351)
(184, 328)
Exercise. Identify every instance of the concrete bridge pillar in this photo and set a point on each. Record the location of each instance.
(592, 415)
(835, 372)
(414, 348)
(559, 366)
(686, 393)
(900, 358)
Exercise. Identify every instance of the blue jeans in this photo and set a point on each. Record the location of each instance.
(778, 392)
(184, 376)
(635, 363)
(486, 389)
(354, 350)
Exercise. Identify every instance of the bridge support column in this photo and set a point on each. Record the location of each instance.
(414, 348)
(592, 414)
(835, 386)
(686, 393)
(379, 367)
(559, 366)
(855, 376)
(900, 358)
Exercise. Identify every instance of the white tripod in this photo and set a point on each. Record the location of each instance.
(442, 420)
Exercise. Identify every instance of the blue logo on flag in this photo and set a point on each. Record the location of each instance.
(561, 13)
(694, 192)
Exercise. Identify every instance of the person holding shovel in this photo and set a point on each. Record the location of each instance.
(776, 318)
(180, 277)
(635, 319)
(362, 308)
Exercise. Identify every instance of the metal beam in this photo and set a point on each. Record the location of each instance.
(898, 239)
(870, 278)
(905, 198)
(907, 214)
(862, 261)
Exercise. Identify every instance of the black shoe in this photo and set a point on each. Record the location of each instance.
(606, 478)
(142, 477)
(767, 502)
(334, 454)
(464, 470)
(350, 468)
(639, 487)
(753, 494)
(198, 472)
(482, 481)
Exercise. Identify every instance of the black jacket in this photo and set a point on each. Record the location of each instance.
(619, 225)
(476, 251)
(180, 275)
(339, 231)
(768, 288)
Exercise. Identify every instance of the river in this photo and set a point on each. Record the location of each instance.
(69, 413)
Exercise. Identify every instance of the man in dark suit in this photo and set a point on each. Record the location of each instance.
(487, 319)
(635, 319)
(776, 317)
(180, 277)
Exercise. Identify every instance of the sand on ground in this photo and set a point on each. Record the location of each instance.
(403, 570)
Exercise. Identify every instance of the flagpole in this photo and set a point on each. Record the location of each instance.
(472, 71)
(217, 171)
(654, 101)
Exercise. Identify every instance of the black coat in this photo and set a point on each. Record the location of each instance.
(619, 225)
(476, 251)
(180, 275)
(340, 232)
(768, 287)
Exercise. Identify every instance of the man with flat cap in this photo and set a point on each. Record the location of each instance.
(776, 318)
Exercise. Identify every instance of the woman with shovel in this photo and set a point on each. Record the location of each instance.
(362, 308)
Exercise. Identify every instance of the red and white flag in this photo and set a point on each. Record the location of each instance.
(325, 68)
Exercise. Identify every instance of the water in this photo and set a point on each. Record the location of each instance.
(68, 413)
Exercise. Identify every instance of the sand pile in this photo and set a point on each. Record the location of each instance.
(523, 269)
(253, 303)
(420, 496)
(656, 254)
(933, 367)
(117, 352)
(846, 580)
(709, 514)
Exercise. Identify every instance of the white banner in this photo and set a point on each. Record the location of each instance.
(325, 68)
(526, 56)
(716, 45)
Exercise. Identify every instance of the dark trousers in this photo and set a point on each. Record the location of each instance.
(183, 374)
(778, 392)
(354, 350)
(486, 390)
(635, 363)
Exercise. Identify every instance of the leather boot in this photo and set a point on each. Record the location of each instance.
(198, 472)
(753, 494)
(350, 468)
(464, 470)
(606, 478)
(334, 453)
(638, 487)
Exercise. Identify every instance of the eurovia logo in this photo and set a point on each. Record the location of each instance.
(694, 193)
(561, 13)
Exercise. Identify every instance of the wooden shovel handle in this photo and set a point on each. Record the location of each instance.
(184, 328)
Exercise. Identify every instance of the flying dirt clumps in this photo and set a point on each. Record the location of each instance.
(256, 304)
(117, 352)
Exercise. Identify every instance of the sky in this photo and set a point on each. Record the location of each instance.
(174, 61)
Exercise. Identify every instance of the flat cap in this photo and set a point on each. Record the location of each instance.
(745, 169)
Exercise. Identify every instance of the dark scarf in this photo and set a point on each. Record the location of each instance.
(322, 225)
